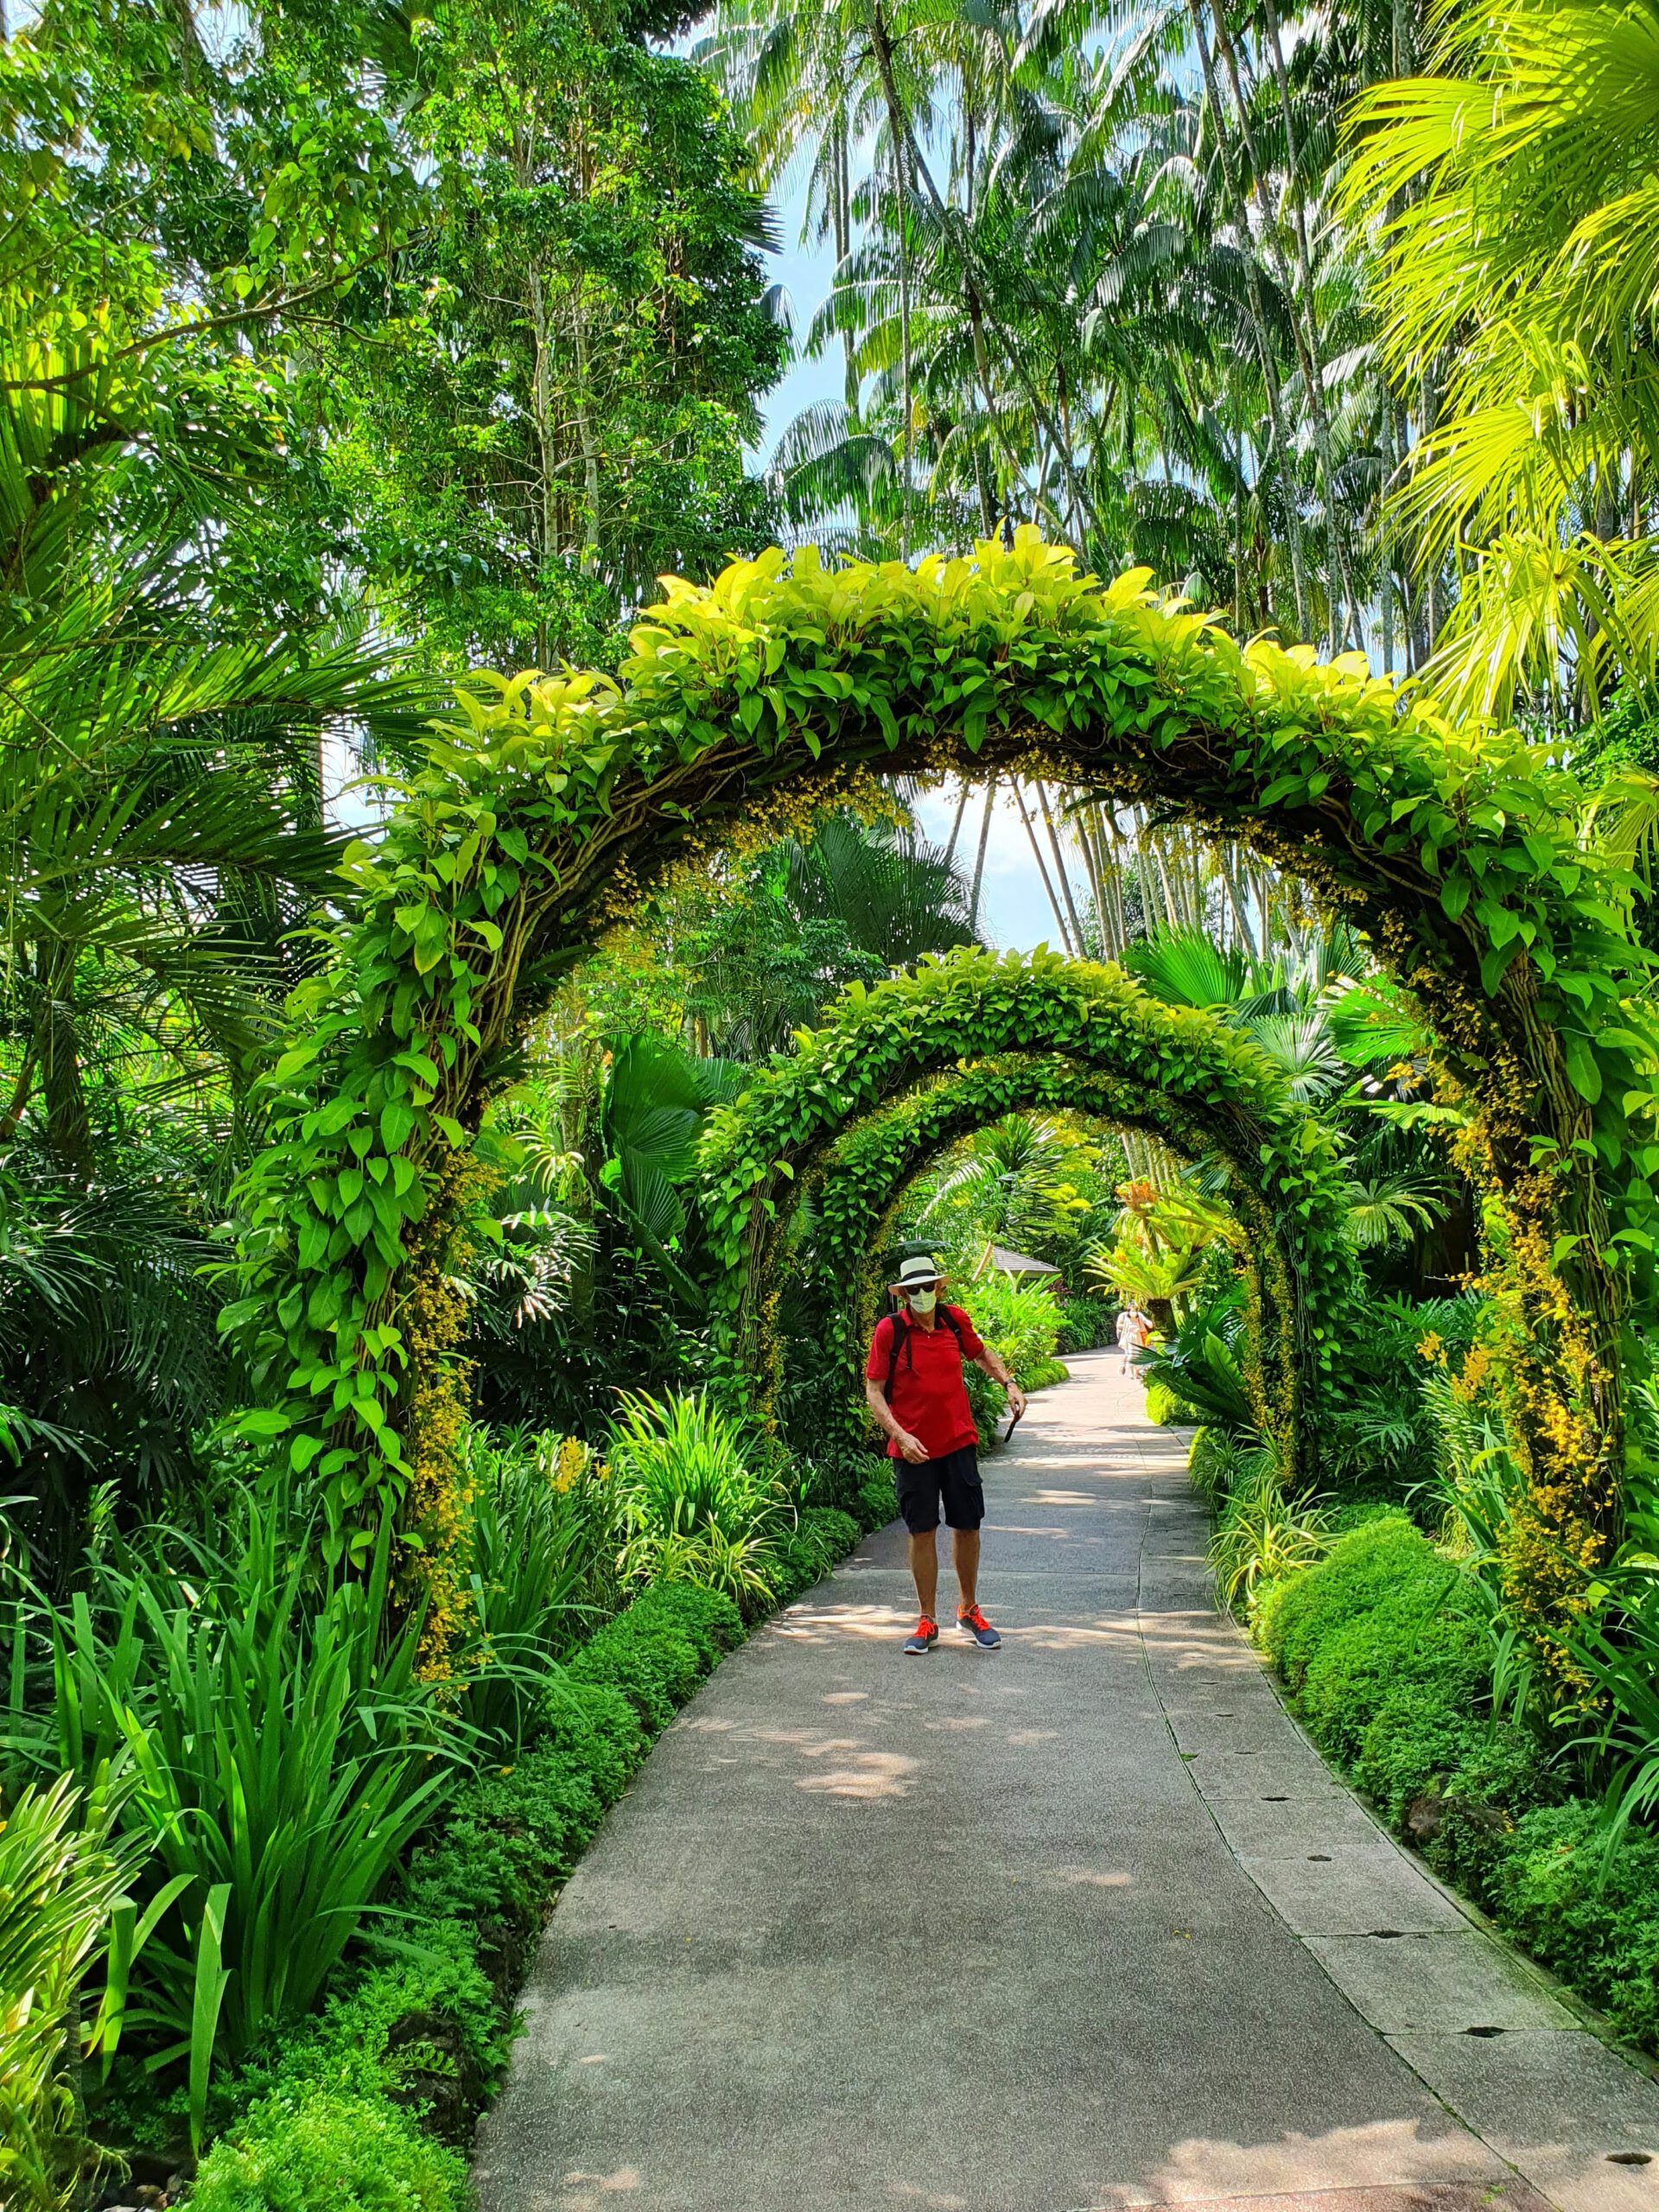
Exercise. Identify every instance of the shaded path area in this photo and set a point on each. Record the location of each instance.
(1081, 1923)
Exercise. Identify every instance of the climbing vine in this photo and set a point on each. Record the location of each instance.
(856, 1185)
(1093, 1031)
(550, 802)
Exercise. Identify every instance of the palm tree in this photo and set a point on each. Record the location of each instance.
(1510, 196)
(1342, 1042)
(1014, 1180)
(766, 950)
(161, 826)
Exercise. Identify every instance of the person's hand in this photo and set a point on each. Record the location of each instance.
(912, 1447)
(1016, 1400)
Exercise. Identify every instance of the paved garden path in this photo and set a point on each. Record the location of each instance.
(1080, 1923)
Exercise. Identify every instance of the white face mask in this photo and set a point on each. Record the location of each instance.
(922, 1301)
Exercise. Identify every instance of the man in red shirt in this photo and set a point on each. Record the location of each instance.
(913, 1385)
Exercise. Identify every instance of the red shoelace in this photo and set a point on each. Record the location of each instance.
(925, 1625)
(974, 1618)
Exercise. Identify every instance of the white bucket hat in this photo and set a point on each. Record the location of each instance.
(921, 1267)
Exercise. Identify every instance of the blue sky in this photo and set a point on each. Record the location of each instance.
(1014, 909)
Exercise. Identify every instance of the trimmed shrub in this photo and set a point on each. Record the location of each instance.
(1414, 1648)
(300, 2151)
(1357, 1572)
(595, 1729)
(656, 1653)
(1409, 1749)
(1393, 1675)
(1465, 1828)
(708, 1619)
(821, 1538)
(512, 1838)
(878, 1500)
(1596, 1922)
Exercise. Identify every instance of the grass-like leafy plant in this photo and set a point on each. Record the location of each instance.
(60, 1883)
(279, 1752)
(691, 1508)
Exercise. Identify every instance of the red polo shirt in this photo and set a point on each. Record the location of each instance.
(929, 1395)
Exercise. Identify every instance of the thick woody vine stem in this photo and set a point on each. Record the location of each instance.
(552, 802)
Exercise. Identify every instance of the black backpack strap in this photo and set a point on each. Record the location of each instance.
(900, 1341)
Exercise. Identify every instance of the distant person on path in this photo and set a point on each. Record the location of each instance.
(913, 1385)
(1133, 1336)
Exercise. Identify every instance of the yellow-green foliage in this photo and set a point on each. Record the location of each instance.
(59, 1882)
(999, 1032)
(315, 2146)
(552, 797)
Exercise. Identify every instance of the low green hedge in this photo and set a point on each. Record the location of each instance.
(878, 1501)
(1391, 1671)
(1087, 1324)
(821, 1537)
(1594, 1920)
(364, 2108)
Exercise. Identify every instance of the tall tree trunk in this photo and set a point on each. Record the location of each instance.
(1060, 861)
(906, 399)
(1282, 458)
(55, 1047)
(956, 826)
(1237, 899)
(588, 440)
(1433, 596)
(1313, 366)
(899, 123)
(1082, 823)
(979, 861)
(841, 193)
(1042, 870)
(1384, 534)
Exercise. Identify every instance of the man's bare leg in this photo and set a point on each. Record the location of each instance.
(967, 1556)
(925, 1566)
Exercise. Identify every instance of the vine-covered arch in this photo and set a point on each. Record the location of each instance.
(856, 1185)
(1174, 1069)
(552, 800)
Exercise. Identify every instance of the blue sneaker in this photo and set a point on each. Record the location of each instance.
(923, 1638)
(980, 1629)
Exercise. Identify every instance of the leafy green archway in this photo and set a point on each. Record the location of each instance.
(857, 1181)
(765, 698)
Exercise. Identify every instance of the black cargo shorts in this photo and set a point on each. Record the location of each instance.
(952, 1482)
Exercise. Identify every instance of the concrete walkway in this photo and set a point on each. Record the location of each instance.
(1081, 1923)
